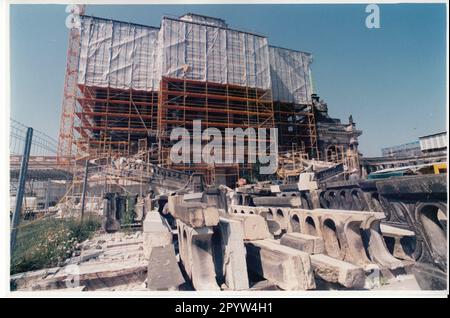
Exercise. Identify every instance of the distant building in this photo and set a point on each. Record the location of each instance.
(434, 142)
(428, 144)
(428, 149)
(405, 150)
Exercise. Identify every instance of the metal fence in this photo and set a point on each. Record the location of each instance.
(42, 144)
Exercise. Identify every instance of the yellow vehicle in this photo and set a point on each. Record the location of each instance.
(440, 168)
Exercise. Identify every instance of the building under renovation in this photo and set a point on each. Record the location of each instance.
(221, 226)
(128, 85)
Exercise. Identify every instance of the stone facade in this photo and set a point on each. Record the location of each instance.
(336, 140)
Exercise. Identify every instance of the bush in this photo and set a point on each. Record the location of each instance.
(49, 242)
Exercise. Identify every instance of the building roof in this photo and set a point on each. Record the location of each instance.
(119, 21)
(435, 134)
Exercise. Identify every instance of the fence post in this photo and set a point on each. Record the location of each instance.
(83, 195)
(21, 188)
(47, 193)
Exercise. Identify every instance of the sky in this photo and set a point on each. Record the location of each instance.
(392, 79)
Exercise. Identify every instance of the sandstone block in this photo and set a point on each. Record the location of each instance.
(288, 268)
(304, 242)
(254, 226)
(337, 271)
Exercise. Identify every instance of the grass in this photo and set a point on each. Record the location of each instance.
(49, 242)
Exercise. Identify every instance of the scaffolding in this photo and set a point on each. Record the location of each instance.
(128, 85)
(181, 101)
(112, 121)
(66, 138)
(296, 128)
(335, 153)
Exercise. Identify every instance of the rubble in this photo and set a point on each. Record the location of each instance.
(199, 238)
(119, 263)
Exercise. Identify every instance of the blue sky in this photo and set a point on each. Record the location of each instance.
(392, 79)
